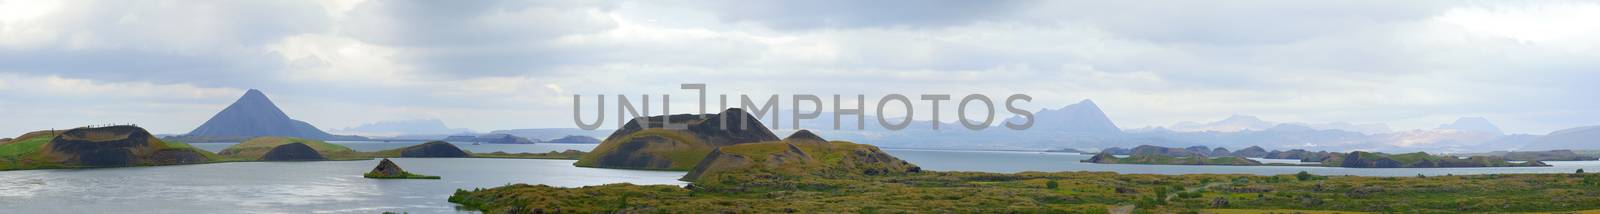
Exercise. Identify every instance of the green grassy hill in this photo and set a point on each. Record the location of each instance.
(39, 150)
(254, 148)
(653, 148)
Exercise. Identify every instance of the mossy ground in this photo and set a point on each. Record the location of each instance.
(1075, 192)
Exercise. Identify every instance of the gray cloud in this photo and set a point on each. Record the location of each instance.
(1148, 63)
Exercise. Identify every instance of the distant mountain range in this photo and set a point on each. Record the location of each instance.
(402, 127)
(1476, 124)
(1237, 123)
(1081, 117)
(254, 115)
(1586, 138)
(1084, 126)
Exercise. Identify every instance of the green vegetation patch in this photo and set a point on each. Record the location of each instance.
(1064, 192)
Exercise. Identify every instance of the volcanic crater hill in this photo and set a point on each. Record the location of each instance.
(292, 152)
(431, 149)
(257, 148)
(800, 155)
(110, 146)
(653, 146)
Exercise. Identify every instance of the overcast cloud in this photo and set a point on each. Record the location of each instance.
(1530, 67)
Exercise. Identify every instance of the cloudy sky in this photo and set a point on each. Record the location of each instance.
(1531, 67)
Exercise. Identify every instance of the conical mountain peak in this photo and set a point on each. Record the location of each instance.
(804, 135)
(1084, 116)
(253, 115)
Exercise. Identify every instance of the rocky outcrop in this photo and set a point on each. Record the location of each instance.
(387, 168)
(292, 152)
(675, 142)
(116, 146)
(433, 149)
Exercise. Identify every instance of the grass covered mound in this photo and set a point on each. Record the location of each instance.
(110, 146)
(653, 148)
(1066, 192)
(255, 148)
(386, 169)
(648, 143)
(745, 166)
(430, 149)
(1107, 158)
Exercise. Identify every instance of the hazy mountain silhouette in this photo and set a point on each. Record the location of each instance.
(1573, 138)
(1084, 117)
(402, 127)
(254, 115)
(1231, 124)
(1477, 124)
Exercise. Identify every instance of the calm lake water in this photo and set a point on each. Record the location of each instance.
(337, 186)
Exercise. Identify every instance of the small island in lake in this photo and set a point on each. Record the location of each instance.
(388, 170)
(1159, 159)
(1147, 154)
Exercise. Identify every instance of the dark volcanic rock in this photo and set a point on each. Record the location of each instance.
(433, 149)
(254, 115)
(387, 168)
(292, 152)
(178, 157)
